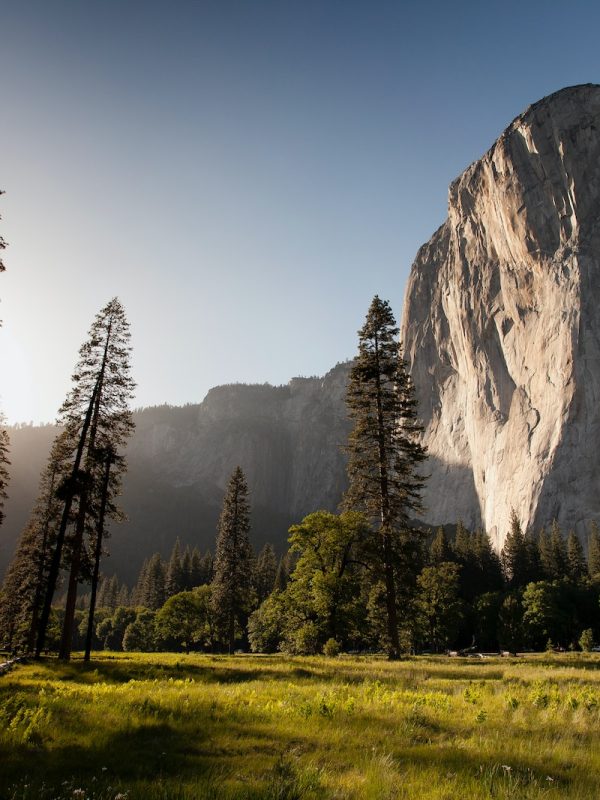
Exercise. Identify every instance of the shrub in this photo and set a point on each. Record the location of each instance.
(586, 640)
(332, 648)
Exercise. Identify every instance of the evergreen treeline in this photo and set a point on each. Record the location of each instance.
(465, 596)
(366, 579)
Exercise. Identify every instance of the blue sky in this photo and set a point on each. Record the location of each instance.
(245, 176)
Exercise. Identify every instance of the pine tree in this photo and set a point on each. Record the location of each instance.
(384, 449)
(196, 570)
(282, 576)
(461, 545)
(153, 592)
(593, 557)
(576, 566)
(138, 591)
(232, 583)
(4, 464)
(514, 554)
(186, 570)
(27, 576)
(266, 570)
(559, 552)
(440, 551)
(123, 598)
(174, 582)
(545, 554)
(96, 417)
(207, 571)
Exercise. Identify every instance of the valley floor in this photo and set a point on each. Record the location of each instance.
(171, 726)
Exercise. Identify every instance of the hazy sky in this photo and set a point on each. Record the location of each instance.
(245, 176)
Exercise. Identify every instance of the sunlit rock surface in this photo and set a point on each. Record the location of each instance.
(501, 327)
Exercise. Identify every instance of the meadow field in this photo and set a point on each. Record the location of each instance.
(157, 726)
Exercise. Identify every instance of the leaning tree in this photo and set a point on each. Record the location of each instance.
(384, 449)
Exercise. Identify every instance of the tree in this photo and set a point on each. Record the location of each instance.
(545, 614)
(282, 576)
(26, 578)
(576, 565)
(593, 557)
(325, 584)
(439, 603)
(384, 451)
(186, 570)
(207, 568)
(95, 416)
(557, 566)
(266, 624)
(141, 634)
(510, 624)
(266, 570)
(108, 590)
(4, 464)
(111, 630)
(183, 617)
(175, 579)
(152, 592)
(232, 583)
(440, 551)
(515, 554)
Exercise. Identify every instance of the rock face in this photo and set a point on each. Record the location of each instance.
(287, 439)
(501, 327)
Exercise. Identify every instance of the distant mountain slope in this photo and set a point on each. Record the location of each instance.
(287, 439)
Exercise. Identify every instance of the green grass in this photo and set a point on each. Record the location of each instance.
(175, 726)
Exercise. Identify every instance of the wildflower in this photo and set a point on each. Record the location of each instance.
(78, 792)
(506, 768)
(550, 778)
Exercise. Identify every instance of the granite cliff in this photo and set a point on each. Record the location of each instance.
(501, 327)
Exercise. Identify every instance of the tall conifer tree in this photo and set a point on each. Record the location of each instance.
(593, 555)
(576, 566)
(175, 581)
(4, 465)
(26, 579)
(234, 561)
(515, 554)
(384, 447)
(95, 416)
(266, 570)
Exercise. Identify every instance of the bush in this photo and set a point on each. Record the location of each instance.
(332, 648)
(586, 640)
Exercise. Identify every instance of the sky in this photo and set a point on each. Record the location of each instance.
(244, 176)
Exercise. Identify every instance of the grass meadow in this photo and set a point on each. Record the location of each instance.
(199, 726)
